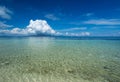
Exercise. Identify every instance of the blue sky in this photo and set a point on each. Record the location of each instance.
(74, 17)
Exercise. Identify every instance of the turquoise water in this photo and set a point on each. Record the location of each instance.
(43, 59)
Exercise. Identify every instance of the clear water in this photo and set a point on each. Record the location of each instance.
(35, 59)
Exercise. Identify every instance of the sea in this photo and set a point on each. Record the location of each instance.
(59, 59)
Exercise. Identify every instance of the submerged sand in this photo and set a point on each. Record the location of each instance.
(58, 60)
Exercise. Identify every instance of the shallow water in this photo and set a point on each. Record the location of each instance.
(42, 59)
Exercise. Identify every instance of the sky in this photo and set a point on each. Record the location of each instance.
(60, 17)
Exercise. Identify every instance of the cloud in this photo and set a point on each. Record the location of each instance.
(74, 29)
(18, 31)
(51, 17)
(89, 14)
(78, 34)
(37, 27)
(85, 33)
(103, 22)
(118, 32)
(5, 12)
(3, 25)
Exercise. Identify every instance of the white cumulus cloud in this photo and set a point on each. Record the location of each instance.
(37, 27)
(5, 12)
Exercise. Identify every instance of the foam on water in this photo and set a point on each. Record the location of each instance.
(58, 60)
